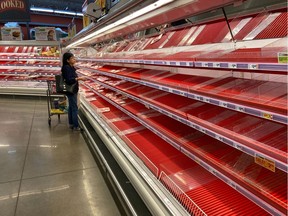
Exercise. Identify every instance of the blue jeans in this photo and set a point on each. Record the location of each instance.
(73, 111)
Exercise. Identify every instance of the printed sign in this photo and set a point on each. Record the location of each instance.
(14, 10)
(264, 162)
(9, 34)
(45, 33)
(282, 57)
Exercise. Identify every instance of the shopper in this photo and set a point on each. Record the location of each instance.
(70, 76)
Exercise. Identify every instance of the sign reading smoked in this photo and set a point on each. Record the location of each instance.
(14, 10)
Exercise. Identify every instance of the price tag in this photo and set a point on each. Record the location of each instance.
(182, 93)
(237, 146)
(232, 184)
(205, 64)
(223, 104)
(267, 116)
(240, 109)
(232, 65)
(253, 66)
(216, 65)
(264, 162)
(219, 138)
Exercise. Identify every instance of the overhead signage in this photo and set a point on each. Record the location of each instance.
(14, 10)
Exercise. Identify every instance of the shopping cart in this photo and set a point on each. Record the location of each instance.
(56, 102)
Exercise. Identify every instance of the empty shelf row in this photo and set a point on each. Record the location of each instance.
(192, 141)
(260, 98)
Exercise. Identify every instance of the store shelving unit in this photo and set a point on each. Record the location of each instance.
(205, 114)
(25, 66)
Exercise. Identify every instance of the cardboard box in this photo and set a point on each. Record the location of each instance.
(11, 34)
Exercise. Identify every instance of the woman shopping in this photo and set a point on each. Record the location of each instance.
(70, 76)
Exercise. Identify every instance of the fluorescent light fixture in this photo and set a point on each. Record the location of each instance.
(65, 12)
(79, 14)
(42, 9)
(47, 10)
(126, 19)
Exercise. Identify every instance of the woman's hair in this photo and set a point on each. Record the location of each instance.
(66, 56)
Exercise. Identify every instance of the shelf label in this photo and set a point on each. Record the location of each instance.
(282, 57)
(264, 162)
(240, 109)
(223, 104)
(216, 65)
(232, 184)
(205, 64)
(237, 146)
(267, 116)
(207, 100)
(219, 138)
(232, 65)
(253, 66)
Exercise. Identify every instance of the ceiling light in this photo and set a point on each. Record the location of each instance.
(48, 10)
(42, 9)
(64, 12)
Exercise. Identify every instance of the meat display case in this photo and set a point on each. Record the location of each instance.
(200, 107)
(25, 66)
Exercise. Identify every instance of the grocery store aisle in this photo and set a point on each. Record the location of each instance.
(46, 171)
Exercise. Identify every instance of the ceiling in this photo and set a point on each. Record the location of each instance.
(71, 5)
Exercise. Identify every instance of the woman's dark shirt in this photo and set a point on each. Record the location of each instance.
(69, 74)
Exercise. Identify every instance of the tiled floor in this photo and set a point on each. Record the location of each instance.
(46, 171)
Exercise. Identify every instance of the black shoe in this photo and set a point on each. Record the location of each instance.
(71, 127)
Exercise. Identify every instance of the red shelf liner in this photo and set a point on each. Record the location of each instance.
(235, 160)
(176, 131)
(192, 178)
(210, 116)
(252, 24)
(212, 33)
(276, 29)
(244, 91)
(162, 154)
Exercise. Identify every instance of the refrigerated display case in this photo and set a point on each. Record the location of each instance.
(201, 107)
(26, 66)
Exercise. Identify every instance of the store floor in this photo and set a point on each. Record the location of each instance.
(46, 171)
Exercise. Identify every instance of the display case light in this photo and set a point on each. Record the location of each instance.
(126, 19)
(42, 10)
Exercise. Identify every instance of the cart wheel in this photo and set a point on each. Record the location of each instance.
(49, 121)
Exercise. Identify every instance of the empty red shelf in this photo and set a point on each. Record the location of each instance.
(276, 29)
(212, 33)
(251, 92)
(253, 23)
(161, 158)
(176, 38)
